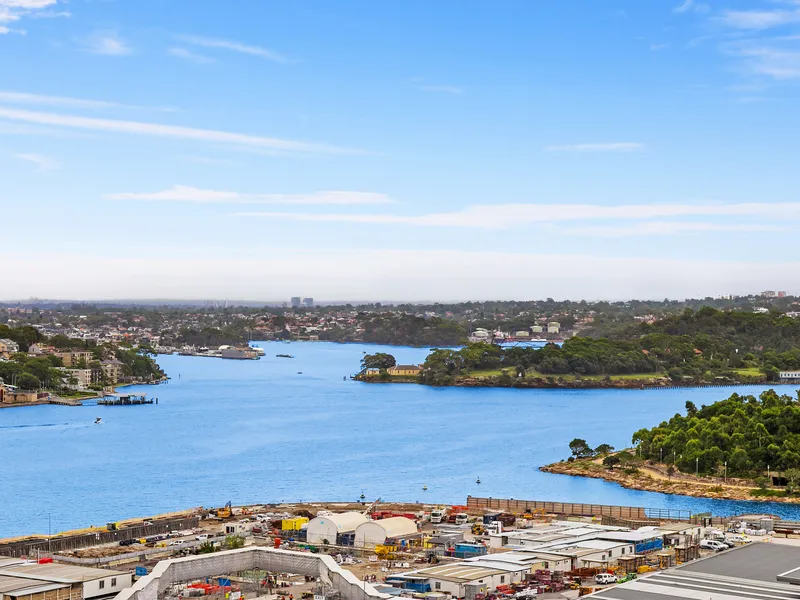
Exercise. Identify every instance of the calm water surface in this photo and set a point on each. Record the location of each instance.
(257, 431)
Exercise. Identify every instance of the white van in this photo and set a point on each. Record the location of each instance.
(737, 538)
(713, 545)
(604, 578)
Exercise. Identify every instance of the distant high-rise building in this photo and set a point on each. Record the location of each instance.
(309, 302)
(768, 294)
(297, 302)
(781, 294)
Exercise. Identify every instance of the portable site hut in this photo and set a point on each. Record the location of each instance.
(373, 533)
(331, 527)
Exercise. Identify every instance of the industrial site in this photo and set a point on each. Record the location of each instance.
(486, 549)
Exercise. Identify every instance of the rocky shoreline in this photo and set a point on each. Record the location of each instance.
(681, 486)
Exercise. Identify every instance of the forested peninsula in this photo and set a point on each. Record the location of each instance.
(706, 347)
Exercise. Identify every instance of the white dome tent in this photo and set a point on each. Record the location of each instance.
(330, 527)
(373, 533)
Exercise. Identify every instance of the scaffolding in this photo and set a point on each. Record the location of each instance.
(169, 572)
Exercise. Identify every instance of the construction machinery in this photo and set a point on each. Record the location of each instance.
(478, 529)
(368, 510)
(225, 512)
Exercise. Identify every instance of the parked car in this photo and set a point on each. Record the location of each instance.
(203, 537)
(604, 578)
(736, 539)
(713, 545)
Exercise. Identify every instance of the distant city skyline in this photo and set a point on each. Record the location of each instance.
(454, 150)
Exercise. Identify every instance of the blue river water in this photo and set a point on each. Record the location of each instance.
(258, 431)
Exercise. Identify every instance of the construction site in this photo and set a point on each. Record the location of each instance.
(485, 549)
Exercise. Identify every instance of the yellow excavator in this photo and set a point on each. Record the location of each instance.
(225, 511)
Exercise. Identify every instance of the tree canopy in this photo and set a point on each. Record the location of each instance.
(749, 433)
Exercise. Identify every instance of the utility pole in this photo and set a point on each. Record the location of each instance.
(696, 465)
(726, 471)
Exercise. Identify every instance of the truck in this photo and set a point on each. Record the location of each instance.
(438, 515)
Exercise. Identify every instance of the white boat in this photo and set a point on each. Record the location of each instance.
(98, 420)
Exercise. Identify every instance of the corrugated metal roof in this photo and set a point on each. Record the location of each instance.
(459, 573)
(59, 573)
(38, 589)
(8, 584)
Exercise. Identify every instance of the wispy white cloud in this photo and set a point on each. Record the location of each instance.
(106, 43)
(206, 160)
(760, 58)
(442, 89)
(170, 131)
(26, 99)
(652, 228)
(41, 162)
(759, 19)
(657, 47)
(505, 216)
(191, 56)
(688, 6)
(601, 147)
(14, 10)
(233, 46)
(181, 193)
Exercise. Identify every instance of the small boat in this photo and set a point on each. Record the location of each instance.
(299, 372)
(424, 488)
(98, 420)
(478, 481)
(284, 356)
(362, 496)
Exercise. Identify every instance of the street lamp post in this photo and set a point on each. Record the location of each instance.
(726, 471)
(696, 465)
(661, 453)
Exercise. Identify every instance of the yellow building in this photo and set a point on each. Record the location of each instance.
(73, 357)
(407, 370)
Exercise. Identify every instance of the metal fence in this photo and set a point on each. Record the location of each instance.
(29, 547)
(577, 509)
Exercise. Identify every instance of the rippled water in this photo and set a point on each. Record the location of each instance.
(257, 431)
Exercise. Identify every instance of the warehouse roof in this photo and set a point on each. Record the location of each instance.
(344, 522)
(38, 589)
(744, 573)
(4, 562)
(56, 573)
(395, 526)
(458, 573)
(9, 584)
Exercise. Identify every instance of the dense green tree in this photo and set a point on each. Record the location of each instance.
(580, 449)
(380, 360)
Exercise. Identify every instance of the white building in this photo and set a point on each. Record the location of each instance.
(83, 378)
(372, 533)
(451, 579)
(789, 374)
(96, 583)
(553, 327)
(330, 527)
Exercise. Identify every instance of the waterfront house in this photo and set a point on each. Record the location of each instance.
(112, 370)
(405, 370)
(8, 347)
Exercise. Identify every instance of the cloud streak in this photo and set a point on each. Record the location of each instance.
(600, 147)
(106, 43)
(758, 20)
(185, 54)
(180, 193)
(233, 46)
(26, 99)
(506, 216)
(41, 162)
(442, 89)
(169, 131)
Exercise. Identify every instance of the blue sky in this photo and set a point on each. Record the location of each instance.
(398, 150)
